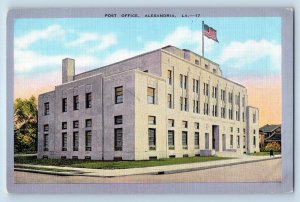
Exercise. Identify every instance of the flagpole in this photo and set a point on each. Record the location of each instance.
(202, 39)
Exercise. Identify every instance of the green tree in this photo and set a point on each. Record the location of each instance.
(25, 125)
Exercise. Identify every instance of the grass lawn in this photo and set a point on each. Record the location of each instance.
(112, 164)
(263, 153)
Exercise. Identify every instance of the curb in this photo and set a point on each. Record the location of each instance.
(82, 173)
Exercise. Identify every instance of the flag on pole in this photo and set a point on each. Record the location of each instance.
(210, 32)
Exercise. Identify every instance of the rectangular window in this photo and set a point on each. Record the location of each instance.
(118, 120)
(151, 120)
(75, 141)
(171, 122)
(150, 95)
(119, 95)
(206, 140)
(76, 102)
(231, 129)
(46, 108)
(231, 141)
(88, 123)
(238, 130)
(243, 101)
(181, 81)
(64, 141)
(169, 77)
(205, 109)
(254, 118)
(196, 125)
(64, 105)
(254, 131)
(184, 124)
(88, 140)
(75, 124)
(194, 85)
(197, 86)
(46, 142)
(181, 103)
(238, 141)
(254, 140)
(184, 140)
(244, 130)
(185, 82)
(196, 140)
(64, 125)
(244, 141)
(194, 106)
(118, 139)
(88, 100)
(197, 62)
(152, 138)
(205, 89)
(197, 107)
(170, 101)
(171, 139)
(185, 104)
(46, 128)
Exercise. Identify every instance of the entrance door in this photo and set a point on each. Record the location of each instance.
(215, 137)
(224, 142)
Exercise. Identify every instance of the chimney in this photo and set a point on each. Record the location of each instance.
(68, 70)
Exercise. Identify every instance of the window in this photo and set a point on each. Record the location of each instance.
(46, 128)
(76, 102)
(171, 122)
(205, 89)
(75, 141)
(118, 139)
(185, 104)
(214, 92)
(230, 114)
(238, 130)
(206, 140)
(223, 93)
(184, 140)
(150, 95)
(88, 140)
(197, 62)
(196, 140)
(88, 123)
(195, 106)
(206, 66)
(197, 86)
(214, 71)
(64, 141)
(243, 116)
(254, 140)
(118, 120)
(254, 131)
(214, 110)
(244, 130)
(238, 141)
(46, 142)
(222, 112)
(181, 81)
(184, 124)
(46, 108)
(64, 105)
(119, 95)
(151, 120)
(194, 85)
(196, 125)
(243, 101)
(170, 101)
(169, 77)
(152, 138)
(205, 109)
(64, 125)
(181, 103)
(254, 118)
(75, 124)
(244, 141)
(231, 141)
(88, 100)
(171, 139)
(230, 97)
(231, 129)
(185, 82)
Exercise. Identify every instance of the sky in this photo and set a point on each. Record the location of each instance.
(249, 50)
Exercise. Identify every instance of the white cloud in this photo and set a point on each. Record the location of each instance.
(101, 41)
(180, 37)
(248, 52)
(50, 32)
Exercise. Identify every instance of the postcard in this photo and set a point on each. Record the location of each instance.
(160, 100)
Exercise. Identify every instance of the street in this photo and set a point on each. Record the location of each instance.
(263, 171)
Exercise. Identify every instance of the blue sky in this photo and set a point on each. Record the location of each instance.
(248, 46)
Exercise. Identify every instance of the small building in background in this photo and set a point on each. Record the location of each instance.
(269, 133)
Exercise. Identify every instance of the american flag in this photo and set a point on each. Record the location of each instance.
(210, 32)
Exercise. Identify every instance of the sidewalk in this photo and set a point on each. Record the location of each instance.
(146, 170)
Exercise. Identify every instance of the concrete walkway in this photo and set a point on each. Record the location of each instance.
(147, 170)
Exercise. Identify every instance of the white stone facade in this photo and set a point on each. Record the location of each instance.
(174, 103)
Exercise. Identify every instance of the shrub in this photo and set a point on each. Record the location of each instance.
(275, 146)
